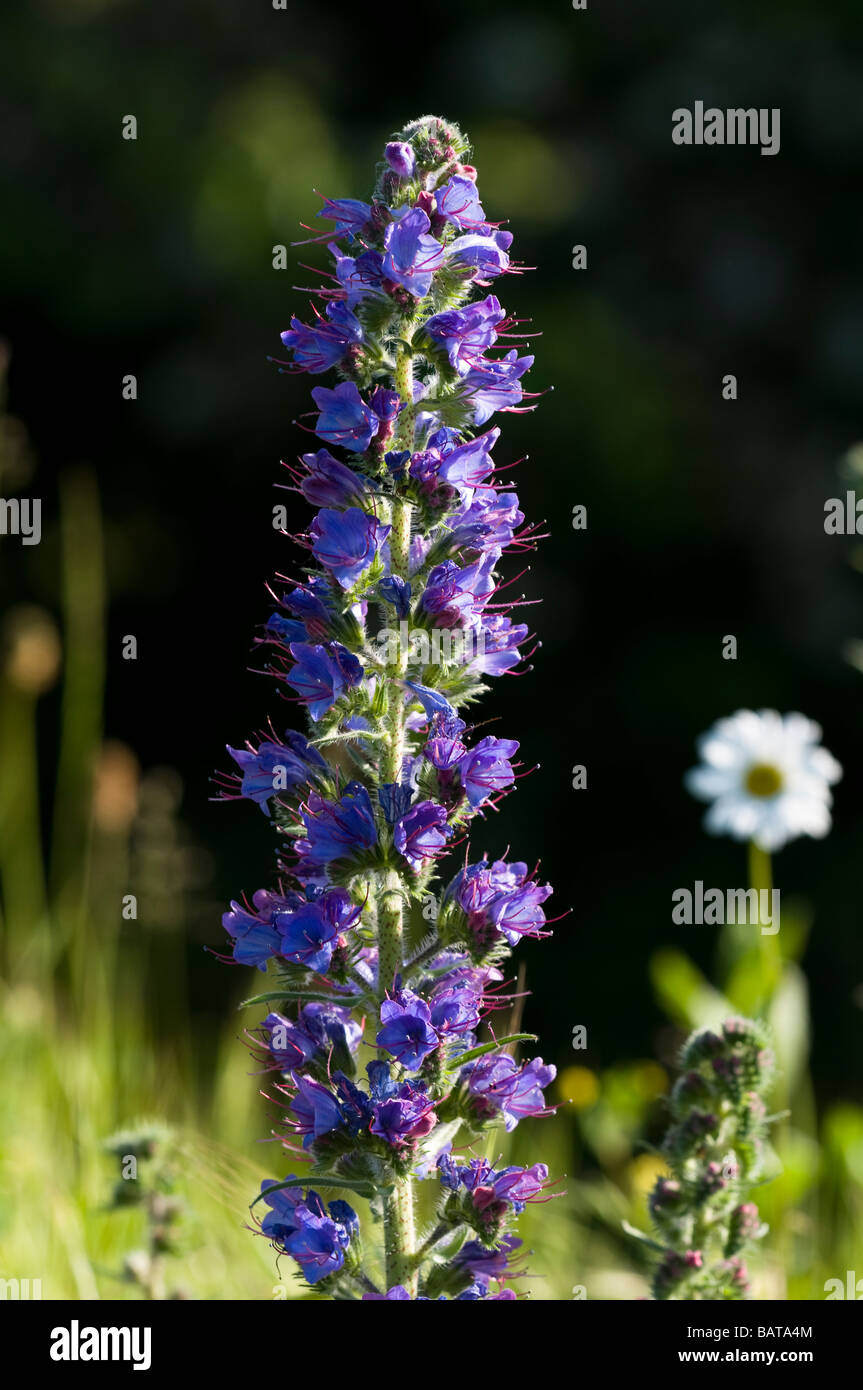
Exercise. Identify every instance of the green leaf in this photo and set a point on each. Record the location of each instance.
(686, 995)
(352, 736)
(304, 995)
(489, 1047)
(639, 1235)
(358, 1185)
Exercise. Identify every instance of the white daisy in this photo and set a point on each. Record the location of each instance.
(767, 777)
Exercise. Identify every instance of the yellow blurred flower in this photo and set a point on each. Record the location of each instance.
(643, 1171)
(580, 1086)
(650, 1080)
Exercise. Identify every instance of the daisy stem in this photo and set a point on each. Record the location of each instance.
(761, 879)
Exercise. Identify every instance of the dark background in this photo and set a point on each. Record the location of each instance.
(705, 516)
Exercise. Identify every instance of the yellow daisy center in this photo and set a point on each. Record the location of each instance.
(763, 779)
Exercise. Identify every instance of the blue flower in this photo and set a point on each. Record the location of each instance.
(337, 829)
(467, 465)
(314, 1110)
(317, 347)
(255, 938)
(422, 833)
(300, 1225)
(329, 483)
(411, 256)
(458, 202)
(466, 333)
(349, 214)
(360, 277)
(344, 417)
(411, 524)
(273, 767)
(408, 1115)
(486, 252)
(498, 1085)
(500, 898)
(486, 768)
(495, 385)
(346, 542)
(431, 700)
(397, 592)
(394, 801)
(454, 1009)
(444, 748)
(407, 1033)
(320, 674)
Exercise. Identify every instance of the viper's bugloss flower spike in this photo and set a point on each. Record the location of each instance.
(391, 625)
(716, 1149)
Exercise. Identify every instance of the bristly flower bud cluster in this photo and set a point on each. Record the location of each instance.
(409, 533)
(715, 1148)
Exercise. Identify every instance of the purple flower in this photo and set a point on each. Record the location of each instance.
(273, 767)
(310, 603)
(431, 700)
(488, 524)
(458, 202)
(486, 768)
(397, 592)
(468, 465)
(386, 404)
(407, 1033)
(360, 277)
(319, 1028)
(422, 833)
(300, 1225)
(317, 347)
(337, 829)
(284, 631)
(315, 1110)
(444, 748)
(394, 799)
(321, 674)
(484, 1263)
(465, 333)
(309, 936)
(455, 595)
(494, 385)
(411, 256)
(405, 1116)
(282, 1220)
(499, 639)
(344, 417)
(486, 251)
(411, 522)
(318, 1247)
(400, 157)
(454, 1009)
(329, 483)
(500, 898)
(346, 542)
(349, 214)
(255, 938)
(493, 1192)
(499, 1086)
(331, 1025)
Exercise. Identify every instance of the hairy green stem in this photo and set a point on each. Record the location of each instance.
(399, 1230)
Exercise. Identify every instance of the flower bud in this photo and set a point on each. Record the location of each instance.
(401, 158)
